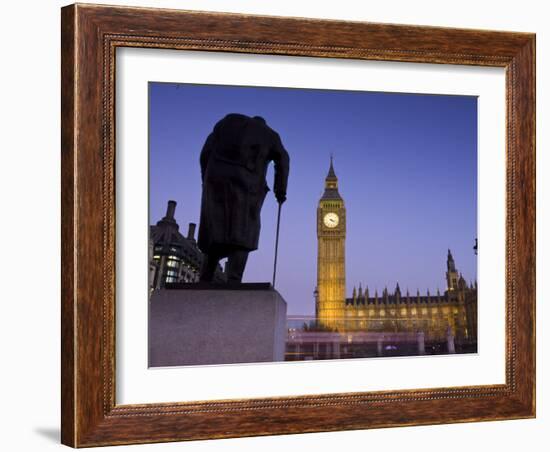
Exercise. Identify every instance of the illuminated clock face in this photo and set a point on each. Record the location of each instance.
(331, 220)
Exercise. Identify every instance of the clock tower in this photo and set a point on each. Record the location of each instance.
(330, 294)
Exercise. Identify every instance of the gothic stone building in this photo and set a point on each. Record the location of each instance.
(454, 311)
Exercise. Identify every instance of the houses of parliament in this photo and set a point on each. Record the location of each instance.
(436, 315)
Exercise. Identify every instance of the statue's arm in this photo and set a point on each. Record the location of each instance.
(282, 166)
(205, 154)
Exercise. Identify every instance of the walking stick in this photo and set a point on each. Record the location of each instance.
(276, 244)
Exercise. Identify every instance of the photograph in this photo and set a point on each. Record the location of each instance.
(292, 224)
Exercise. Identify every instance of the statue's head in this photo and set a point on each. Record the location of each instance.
(260, 119)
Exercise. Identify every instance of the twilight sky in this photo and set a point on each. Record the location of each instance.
(407, 170)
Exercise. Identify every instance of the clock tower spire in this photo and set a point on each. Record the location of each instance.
(331, 181)
(331, 256)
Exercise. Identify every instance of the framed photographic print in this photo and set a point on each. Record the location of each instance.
(282, 225)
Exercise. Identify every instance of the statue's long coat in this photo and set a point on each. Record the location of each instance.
(234, 163)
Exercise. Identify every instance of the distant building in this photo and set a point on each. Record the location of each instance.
(153, 265)
(174, 257)
(454, 311)
(439, 315)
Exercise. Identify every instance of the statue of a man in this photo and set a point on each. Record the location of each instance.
(234, 163)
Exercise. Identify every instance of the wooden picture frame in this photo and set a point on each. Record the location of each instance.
(90, 36)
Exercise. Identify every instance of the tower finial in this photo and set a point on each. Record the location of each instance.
(450, 262)
(331, 174)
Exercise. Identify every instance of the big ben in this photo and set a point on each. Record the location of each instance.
(331, 255)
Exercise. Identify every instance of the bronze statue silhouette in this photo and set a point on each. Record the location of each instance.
(234, 162)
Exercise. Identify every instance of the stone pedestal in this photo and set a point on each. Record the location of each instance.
(201, 325)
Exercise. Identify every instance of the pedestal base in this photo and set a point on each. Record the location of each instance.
(200, 326)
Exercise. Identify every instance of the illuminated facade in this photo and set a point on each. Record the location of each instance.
(331, 253)
(174, 257)
(453, 311)
(438, 315)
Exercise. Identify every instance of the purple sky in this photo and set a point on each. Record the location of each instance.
(407, 170)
